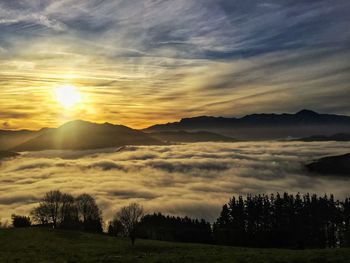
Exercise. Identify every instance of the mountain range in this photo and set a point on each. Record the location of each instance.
(80, 135)
(263, 126)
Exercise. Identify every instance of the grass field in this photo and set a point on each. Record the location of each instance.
(46, 245)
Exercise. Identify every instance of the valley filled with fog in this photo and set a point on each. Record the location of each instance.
(186, 179)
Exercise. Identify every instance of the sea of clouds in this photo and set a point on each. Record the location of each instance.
(186, 179)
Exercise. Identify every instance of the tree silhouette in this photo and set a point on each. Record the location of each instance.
(284, 221)
(40, 214)
(115, 228)
(52, 204)
(64, 211)
(20, 221)
(275, 220)
(69, 212)
(130, 216)
(89, 213)
(179, 229)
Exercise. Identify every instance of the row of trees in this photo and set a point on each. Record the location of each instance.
(298, 221)
(179, 229)
(62, 210)
(284, 221)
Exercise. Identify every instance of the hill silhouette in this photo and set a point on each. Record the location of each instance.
(10, 139)
(7, 154)
(331, 165)
(340, 137)
(80, 135)
(87, 135)
(263, 126)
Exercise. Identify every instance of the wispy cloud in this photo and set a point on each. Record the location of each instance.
(136, 59)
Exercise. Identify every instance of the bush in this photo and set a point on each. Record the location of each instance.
(20, 221)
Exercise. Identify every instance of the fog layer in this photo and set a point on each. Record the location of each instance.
(188, 179)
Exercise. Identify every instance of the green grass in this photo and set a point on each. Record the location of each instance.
(46, 245)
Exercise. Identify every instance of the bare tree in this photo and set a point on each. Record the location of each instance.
(130, 216)
(69, 212)
(63, 210)
(88, 212)
(115, 228)
(54, 208)
(40, 214)
(52, 203)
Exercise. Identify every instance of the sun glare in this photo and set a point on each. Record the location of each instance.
(67, 96)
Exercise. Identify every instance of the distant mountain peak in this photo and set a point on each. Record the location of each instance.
(74, 123)
(87, 124)
(306, 112)
(82, 135)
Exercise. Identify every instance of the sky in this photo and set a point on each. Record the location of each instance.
(138, 63)
(190, 179)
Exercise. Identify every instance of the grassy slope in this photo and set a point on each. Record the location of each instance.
(45, 245)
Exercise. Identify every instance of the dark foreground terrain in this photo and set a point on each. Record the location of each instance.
(46, 245)
(331, 165)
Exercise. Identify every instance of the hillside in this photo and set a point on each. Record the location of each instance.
(7, 154)
(10, 139)
(80, 135)
(263, 126)
(340, 137)
(183, 136)
(47, 245)
(331, 165)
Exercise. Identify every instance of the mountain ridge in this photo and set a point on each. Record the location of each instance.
(264, 125)
(81, 135)
(302, 124)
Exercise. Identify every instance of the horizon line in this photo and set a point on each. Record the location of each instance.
(198, 116)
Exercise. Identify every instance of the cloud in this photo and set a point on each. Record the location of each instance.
(10, 199)
(137, 60)
(128, 194)
(106, 165)
(187, 179)
(184, 166)
(33, 165)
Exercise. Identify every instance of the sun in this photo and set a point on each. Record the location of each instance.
(67, 96)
